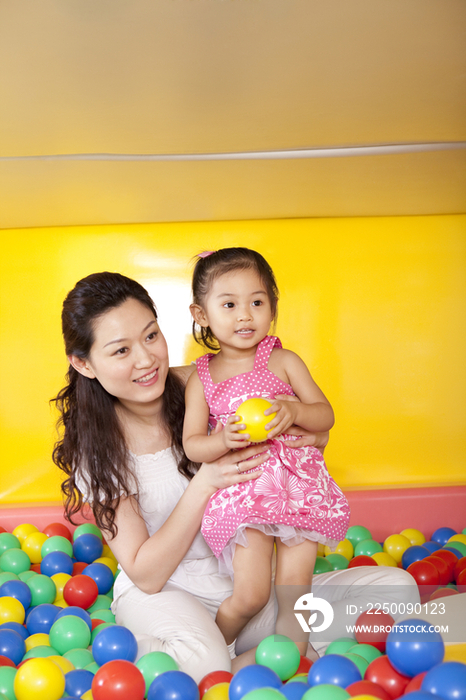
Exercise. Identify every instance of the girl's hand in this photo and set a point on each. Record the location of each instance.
(286, 412)
(306, 438)
(231, 438)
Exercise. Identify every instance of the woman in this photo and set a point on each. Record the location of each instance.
(122, 413)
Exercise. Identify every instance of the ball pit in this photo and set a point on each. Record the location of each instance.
(57, 633)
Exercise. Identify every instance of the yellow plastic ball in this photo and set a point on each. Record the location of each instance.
(60, 603)
(344, 547)
(65, 664)
(455, 652)
(32, 545)
(458, 538)
(11, 610)
(24, 530)
(111, 563)
(320, 550)
(37, 640)
(251, 413)
(414, 536)
(107, 552)
(217, 692)
(364, 697)
(384, 559)
(39, 679)
(396, 545)
(87, 695)
(60, 581)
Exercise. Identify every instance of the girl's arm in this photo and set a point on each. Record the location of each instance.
(198, 445)
(150, 561)
(314, 413)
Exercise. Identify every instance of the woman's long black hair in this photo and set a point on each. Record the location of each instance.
(92, 447)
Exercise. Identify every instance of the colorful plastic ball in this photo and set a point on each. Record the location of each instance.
(12, 645)
(458, 545)
(42, 588)
(431, 546)
(374, 629)
(35, 640)
(367, 688)
(5, 661)
(80, 591)
(16, 627)
(396, 545)
(15, 561)
(7, 679)
(340, 645)
(322, 566)
(173, 685)
(333, 669)
(41, 618)
(101, 574)
(56, 563)
(217, 692)
(39, 679)
(60, 581)
(8, 576)
(449, 557)
(87, 529)
(251, 677)
(357, 533)
(413, 646)
(69, 632)
(103, 602)
(87, 548)
(442, 535)
(18, 590)
(414, 536)
(208, 681)
(77, 612)
(113, 643)
(56, 544)
(80, 658)
(337, 561)
(446, 681)
(108, 561)
(251, 413)
(294, 691)
(280, 654)
(78, 681)
(426, 576)
(326, 691)
(457, 552)
(8, 541)
(359, 661)
(367, 548)
(118, 680)
(384, 559)
(344, 547)
(58, 529)
(367, 651)
(32, 545)
(263, 694)
(412, 554)
(24, 530)
(381, 672)
(11, 610)
(362, 560)
(154, 663)
(458, 568)
(42, 651)
(444, 571)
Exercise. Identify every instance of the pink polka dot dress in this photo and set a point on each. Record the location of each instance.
(294, 499)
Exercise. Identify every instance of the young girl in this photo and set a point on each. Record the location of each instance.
(294, 503)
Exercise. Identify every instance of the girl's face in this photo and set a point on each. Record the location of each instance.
(129, 356)
(237, 309)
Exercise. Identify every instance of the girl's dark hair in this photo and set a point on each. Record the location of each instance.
(93, 448)
(212, 265)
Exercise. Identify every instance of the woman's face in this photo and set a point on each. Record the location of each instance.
(129, 356)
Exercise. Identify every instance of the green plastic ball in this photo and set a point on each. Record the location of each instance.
(322, 566)
(280, 654)
(15, 561)
(69, 632)
(42, 588)
(153, 664)
(57, 543)
(86, 529)
(358, 533)
(337, 561)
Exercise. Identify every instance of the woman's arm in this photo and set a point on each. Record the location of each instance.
(150, 561)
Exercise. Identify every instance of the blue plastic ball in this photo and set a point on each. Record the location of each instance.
(77, 612)
(333, 669)
(78, 681)
(446, 681)
(87, 548)
(41, 618)
(413, 646)
(56, 563)
(16, 627)
(294, 691)
(443, 534)
(114, 642)
(12, 645)
(18, 590)
(412, 554)
(101, 574)
(250, 678)
(173, 685)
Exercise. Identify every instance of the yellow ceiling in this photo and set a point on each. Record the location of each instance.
(93, 92)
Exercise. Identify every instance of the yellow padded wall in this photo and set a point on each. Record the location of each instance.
(376, 307)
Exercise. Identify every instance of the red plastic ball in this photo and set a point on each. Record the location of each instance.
(304, 665)
(5, 661)
(212, 679)
(367, 688)
(415, 683)
(442, 593)
(376, 628)
(461, 581)
(459, 567)
(426, 576)
(58, 529)
(118, 680)
(362, 560)
(381, 672)
(444, 571)
(81, 591)
(78, 567)
(447, 556)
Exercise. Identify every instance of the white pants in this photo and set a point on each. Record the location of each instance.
(180, 625)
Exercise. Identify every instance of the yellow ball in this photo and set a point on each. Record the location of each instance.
(60, 581)
(87, 695)
(60, 603)
(414, 536)
(217, 692)
(37, 640)
(32, 545)
(455, 652)
(11, 610)
(111, 563)
(344, 547)
(107, 552)
(321, 550)
(65, 664)
(24, 530)
(384, 559)
(251, 413)
(38, 679)
(458, 538)
(396, 545)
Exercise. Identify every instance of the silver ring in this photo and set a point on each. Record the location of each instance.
(238, 469)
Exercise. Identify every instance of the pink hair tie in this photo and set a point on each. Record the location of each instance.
(206, 253)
